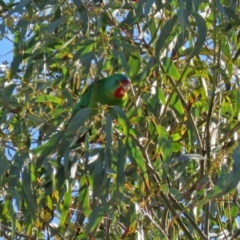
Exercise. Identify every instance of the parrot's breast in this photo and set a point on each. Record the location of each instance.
(120, 92)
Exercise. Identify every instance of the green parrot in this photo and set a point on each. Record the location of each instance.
(112, 90)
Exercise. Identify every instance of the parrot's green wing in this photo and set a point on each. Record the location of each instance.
(84, 100)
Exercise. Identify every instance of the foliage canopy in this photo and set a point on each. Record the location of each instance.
(167, 166)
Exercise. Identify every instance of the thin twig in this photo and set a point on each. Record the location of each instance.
(157, 225)
(201, 234)
(5, 228)
(176, 216)
(189, 115)
(207, 141)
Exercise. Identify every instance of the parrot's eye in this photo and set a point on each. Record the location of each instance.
(117, 81)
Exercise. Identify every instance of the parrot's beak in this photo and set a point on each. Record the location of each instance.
(126, 85)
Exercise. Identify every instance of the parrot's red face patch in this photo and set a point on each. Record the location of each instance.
(120, 91)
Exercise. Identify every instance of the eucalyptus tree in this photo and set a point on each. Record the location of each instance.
(163, 167)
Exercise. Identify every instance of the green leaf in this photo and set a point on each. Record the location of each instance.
(77, 121)
(17, 56)
(6, 98)
(4, 163)
(38, 120)
(136, 157)
(84, 47)
(122, 120)
(98, 175)
(153, 30)
(108, 154)
(121, 164)
(123, 43)
(130, 20)
(29, 71)
(44, 150)
(221, 9)
(187, 157)
(68, 139)
(161, 96)
(227, 107)
(18, 8)
(163, 147)
(147, 7)
(66, 204)
(176, 193)
(219, 189)
(83, 13)
(164, 34)
(28, 192)
(108, 128)
(132, 217)
(227, 181)
(48, 98)
(232, 14)
(87, 58)
(134, 63)
(83, 197)
(177, 105)
(170, 68)
(95, 219)
(121, 59)
(63, 46)
(13, 219)
(202, 34)
(234, 210)
(236, 158)
(16, 168)
(225, 77)
(2, 29)
(52, 26)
